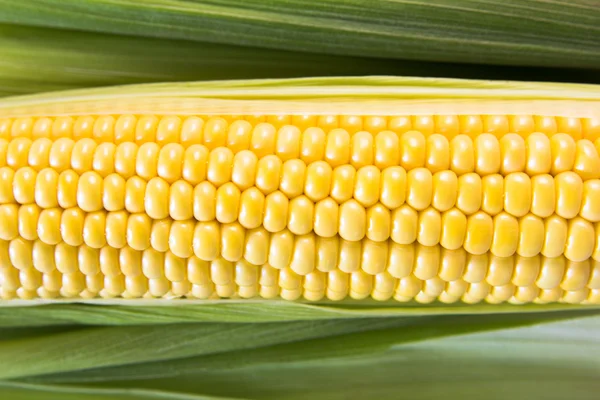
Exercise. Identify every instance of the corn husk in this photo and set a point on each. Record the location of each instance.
(39, 59)
(514, 32)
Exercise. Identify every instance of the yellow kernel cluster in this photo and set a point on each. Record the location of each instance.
(448, 208)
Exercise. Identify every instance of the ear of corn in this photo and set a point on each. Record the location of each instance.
(404, 189)
(534, 32)
(151, 237)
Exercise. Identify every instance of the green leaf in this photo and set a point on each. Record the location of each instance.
(28, 391)
(550, 361)
(127, 312)
(511, 32)
(346, 345)
(108, 346)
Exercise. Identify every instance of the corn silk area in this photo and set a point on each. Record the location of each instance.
(182, 348)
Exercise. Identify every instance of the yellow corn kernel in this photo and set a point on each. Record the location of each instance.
(517, 194)
(427, 261)
(545, 124)
(350, 256)
(43, 257)
(326, 217)
(487, 154)
(28, 217)
(412, 150)
(227, 203)
(361, 153)
(94, 228)
(312, 148)
(361, 284)
(462, 155)
(531, 235)
(500, 270)
(23, 183)
(375, 124)
(49, 229)
(590, 208)
(318, 181)
(337, 148)
(256, 249)
(39, 154)
(543, 195)
(205, 202)
(408, 287)
(301, 214)
(287, 145)
(424, 123)
(500, 294)
(445, 186)
(452, 264)
(351, 123)
(327, 253)
(476, 268)
(587, 160)
(476, 292)
(456, 288)
(539, 158)
(113, 196)
(243, 172)
(215, 132)
(232, 242)
(352, 221)
(292, 178)
(383, 288)
(400, 124)
(400, 259)
(437, 153)
(506, 235)
(570, 126)
(454, 229)
(280, 252)
(276, 211)
(563, 149)
(469, 195)
(378, 223)
(393, 187)
(404, 225)
(374, 256)
(429, 227)
(471, 125)
(479, 233)
(569, 192)
(338, 284)
(419, 188)
(268, 173)
(577, 275)
(304, 121)
(367, 185)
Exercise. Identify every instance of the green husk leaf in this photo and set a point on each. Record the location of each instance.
(94, 347)
(34, 59)
(29, 391)
(347, 345)
(549, 361)
(511, 32)
(244, 311)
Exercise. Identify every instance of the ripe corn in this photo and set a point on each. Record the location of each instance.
(448, 207)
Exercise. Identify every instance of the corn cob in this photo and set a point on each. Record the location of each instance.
(447, 207)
